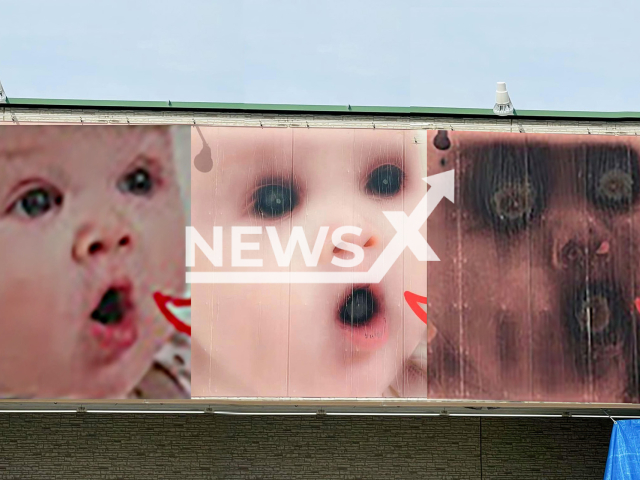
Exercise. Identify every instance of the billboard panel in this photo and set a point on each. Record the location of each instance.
(91, 229)
(306, 304)
(536, 294)
(439, 265)
(323, 263)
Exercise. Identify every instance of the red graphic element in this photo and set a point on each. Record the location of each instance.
(414, 301)
(163, 300)
(637, 304)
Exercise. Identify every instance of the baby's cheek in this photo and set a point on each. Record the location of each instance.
(24, 319)
(31, 331)
(161, 328)
(158, 326)
(165, 251)
(162, 268)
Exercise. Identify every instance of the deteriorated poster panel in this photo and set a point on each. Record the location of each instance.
(536, 295)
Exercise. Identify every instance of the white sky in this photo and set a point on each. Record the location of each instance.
(555, 55)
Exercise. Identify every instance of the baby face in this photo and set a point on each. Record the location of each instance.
(535, 294)
(91, 225)
(293, 339)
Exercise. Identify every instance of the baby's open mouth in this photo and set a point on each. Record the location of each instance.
(358, 308)
(361, 317)
(600, 312)
(113, 306)
(114, 324)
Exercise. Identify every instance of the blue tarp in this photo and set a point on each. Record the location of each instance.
(623, 462)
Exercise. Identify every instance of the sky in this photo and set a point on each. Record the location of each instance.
(554, 55)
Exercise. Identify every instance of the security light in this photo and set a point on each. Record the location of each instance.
(503, 106)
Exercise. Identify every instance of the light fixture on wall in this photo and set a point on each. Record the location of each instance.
(503, 106)
(203, 161)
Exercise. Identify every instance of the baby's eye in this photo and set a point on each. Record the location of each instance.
(37, 202)
(385, 181)
(274, 201)
(512, 204)
(137, 182)
(612, 178)
(507, 186)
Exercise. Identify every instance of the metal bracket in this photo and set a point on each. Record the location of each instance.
(608, 415)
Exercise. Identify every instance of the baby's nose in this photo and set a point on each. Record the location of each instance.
(341, 242)
(576, 246)
(575, 238)
(94, 240)
(577, 253)
(366, 239)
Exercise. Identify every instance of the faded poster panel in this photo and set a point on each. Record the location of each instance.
(316, 308)
(535, 296)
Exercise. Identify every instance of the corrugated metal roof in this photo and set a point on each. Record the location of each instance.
(312, 109)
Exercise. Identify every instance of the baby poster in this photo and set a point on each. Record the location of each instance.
(354, 263)
(296, 218)
(318, 262)
(92, 256)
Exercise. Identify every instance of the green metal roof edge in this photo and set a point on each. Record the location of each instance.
(319, 109)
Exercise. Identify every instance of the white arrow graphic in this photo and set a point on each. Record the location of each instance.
(407, 235)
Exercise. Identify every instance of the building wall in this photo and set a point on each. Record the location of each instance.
(22, 115)
(149, 446)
